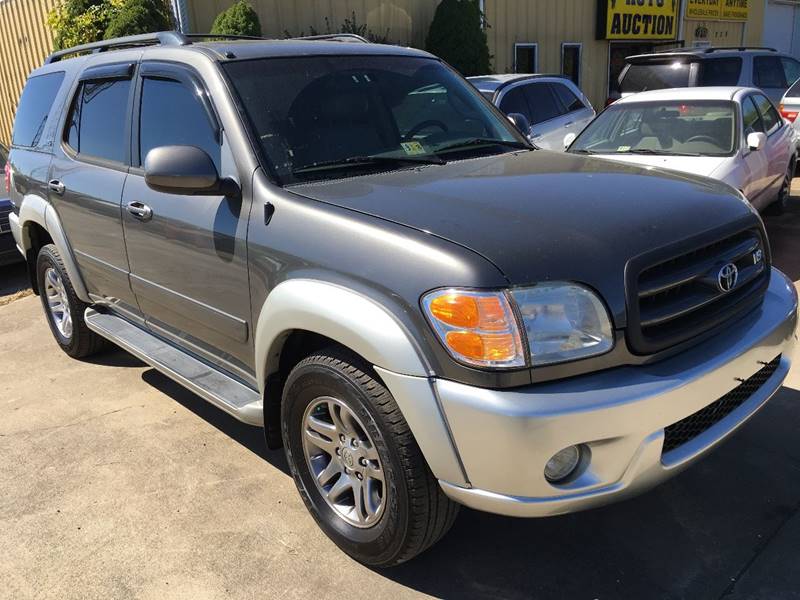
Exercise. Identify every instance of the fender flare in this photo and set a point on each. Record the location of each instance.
(369, 329)
(35, 209)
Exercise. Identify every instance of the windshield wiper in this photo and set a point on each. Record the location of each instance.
(474, 142)
(360, 161)
(582, 151)
(658, 152)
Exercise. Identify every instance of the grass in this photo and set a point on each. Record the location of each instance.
(15, 296)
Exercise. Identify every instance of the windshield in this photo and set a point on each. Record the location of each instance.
(654, 76)
(335, 116)
(699, 128)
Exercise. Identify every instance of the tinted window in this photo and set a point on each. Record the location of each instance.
(655, 76)
(172, 115)
(34, 106)
(794, 91)
(719, 71)
(568, 98)
(751, 120)
(514, 102)
(768, 72)
(98, 118)
(791, 69)
(543, 103)
(768, 113)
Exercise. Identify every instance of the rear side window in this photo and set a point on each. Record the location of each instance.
(172, 115)
(794, 91)
(791, 69)
(568, 98)
(34, 108)
(719, 71)
(543, 103)
(654, 76)
(768, 72)
(98, 118)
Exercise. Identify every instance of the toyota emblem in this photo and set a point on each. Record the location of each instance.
(727, 277)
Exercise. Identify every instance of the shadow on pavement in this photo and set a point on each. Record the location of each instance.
(784, 238)
(13, 278)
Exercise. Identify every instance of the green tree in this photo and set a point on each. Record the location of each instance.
(457, 35)
(76, 22)
(239, 19)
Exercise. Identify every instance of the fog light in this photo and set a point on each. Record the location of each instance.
(562, 464)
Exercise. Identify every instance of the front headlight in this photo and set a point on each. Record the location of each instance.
(563, 321)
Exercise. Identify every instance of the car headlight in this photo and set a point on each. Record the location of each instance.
(560, 322)
(563, 321)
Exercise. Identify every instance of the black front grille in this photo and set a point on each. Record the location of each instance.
(679, 297)
(689, 428)
(4, 225)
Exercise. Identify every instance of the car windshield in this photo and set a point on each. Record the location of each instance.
(697, 128)
(335, 116)
(654, 76)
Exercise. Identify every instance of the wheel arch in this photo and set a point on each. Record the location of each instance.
(37, 218)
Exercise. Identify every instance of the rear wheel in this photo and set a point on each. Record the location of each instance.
(62, 307)
(356, 463)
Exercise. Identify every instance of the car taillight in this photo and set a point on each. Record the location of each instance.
(8, 178)
(788, 114)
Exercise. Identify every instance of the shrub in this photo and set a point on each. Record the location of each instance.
(138, 16)
(239, 19)
(456, 35)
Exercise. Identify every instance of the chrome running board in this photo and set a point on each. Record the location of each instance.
(224, 392)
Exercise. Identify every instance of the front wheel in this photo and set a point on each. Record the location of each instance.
(782, 200)
(356, 463)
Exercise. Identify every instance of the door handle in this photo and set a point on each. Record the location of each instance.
(140, 211)
(55, 186)
(569, 123)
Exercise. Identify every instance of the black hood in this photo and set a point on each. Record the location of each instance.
(546, 216)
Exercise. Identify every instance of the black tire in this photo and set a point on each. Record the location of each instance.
(82, 341)
(417, 513)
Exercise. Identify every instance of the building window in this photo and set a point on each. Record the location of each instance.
(571, 62)
(526, 58)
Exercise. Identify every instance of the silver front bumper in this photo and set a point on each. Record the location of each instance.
(504, 438)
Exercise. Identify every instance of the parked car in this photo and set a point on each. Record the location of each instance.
(732, 134)
(764, 68)
(790, 107)
(8, 249)
(551, 105)
(347, 245)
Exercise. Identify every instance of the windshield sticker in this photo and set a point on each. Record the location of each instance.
(412, 148)
(623, 148)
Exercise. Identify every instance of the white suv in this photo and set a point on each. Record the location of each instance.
(553, 105)
(764, 68)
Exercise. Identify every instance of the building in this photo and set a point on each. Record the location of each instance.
(587, 40)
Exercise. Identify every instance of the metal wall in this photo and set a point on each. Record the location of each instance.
(407, 21)
(24, 42)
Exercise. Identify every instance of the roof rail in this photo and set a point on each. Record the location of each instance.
(741, 48)
(335, 37)
(161, 38)
(221, 36)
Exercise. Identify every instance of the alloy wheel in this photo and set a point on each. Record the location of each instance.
(344, 462)
(57, 302)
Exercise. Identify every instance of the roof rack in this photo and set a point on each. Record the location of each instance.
(740, 48)
(335, 37)
(161, 38)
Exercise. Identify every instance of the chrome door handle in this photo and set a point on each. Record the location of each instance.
(140, 211)
(55, 186)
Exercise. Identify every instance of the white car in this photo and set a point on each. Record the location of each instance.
(552, 105)
(733, 134)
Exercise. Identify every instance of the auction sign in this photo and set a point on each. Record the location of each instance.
(717, 10)
(637, 19)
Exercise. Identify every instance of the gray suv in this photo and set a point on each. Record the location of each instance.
(347, 245)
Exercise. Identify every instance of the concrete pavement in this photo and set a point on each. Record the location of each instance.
(117, 483)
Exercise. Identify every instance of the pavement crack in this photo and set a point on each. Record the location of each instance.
(71, 424)
(758, 551)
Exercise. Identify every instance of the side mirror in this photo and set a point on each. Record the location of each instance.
(756, 140)
(521, 122)
(568, 139)
(185, 170)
